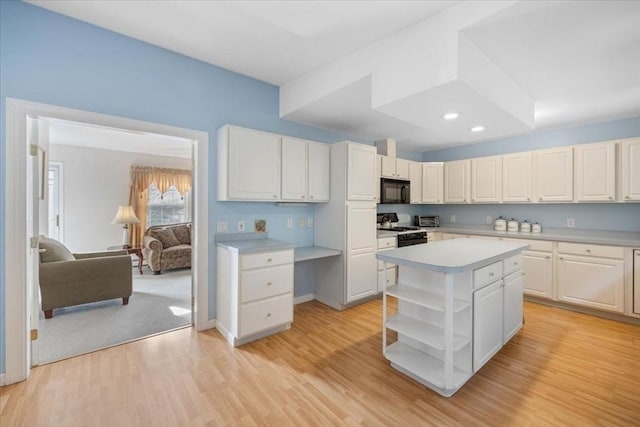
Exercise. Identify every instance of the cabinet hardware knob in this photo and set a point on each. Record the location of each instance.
(268, 283)
(311, 197)
(275, 197)
(515, 264)
(561, 258)
(610, 198)
(539, 199)
(548, 257)
(268, 314)
(491, 274)
(589, 250)
(302, 196)
(528, 199)
(269, 260)
(626, 197)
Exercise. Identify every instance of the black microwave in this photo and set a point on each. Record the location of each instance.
(394, 191)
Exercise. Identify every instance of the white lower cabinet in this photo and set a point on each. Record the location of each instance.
(254, 295)
(512, 305)
(361, 276)
(487, 323)
(591, 276)
(384, 281)
(538, 270)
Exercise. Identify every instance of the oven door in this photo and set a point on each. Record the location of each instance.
(411, 239)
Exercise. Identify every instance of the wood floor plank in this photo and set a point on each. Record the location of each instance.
(562, 369)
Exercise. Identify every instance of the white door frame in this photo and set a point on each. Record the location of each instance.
(16, 320)
(60, 195)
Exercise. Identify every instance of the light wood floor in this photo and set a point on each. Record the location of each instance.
(563, 368)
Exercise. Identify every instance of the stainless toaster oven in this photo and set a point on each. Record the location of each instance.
(427, 220)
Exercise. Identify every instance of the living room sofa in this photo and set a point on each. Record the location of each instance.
(68, 279)
(167, 247)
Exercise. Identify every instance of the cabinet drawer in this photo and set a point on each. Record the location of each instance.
(485, 275)
(266, 259)
(387, 242)
(591, 250)
(534, 245)
(265, 282)
(260, 315)
(512, 264)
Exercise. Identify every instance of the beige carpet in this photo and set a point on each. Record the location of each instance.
(159, 303)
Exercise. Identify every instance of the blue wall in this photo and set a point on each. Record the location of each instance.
(53, 59)
(607, 216)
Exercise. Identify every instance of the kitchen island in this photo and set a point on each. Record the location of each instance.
(458, 302)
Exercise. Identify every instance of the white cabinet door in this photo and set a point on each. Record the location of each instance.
(319, 172)
(432, 187)
(630, 168)
(636, 281)
(487, 323)
(512, 305)
(402, 168)
(591, 281)
(517, 180)
(361, 172)
(553, 175)
(538, 270)
(415, 177)
(361, 228)
(457, 181)
(595, 172)
(362, 276)
(294, 169)
(387, 166)
(253, 165)
(486, 180)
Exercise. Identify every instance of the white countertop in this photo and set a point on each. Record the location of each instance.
(256, 245)
(452, 256)
(576, 235)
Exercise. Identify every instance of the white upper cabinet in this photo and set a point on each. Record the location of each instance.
(415, 177)
(362, 177)
(595, 172)
(457, 181)
(517, 179)
(319, 172)
(248, 165)
(392, 167)
(630, 169)
(486, 180)
(294, 169)
(432, 182)
(553, 172)
(305, 170)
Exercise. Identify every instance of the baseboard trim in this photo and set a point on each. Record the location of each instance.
(304, 298)
(583, 310)
(2, 383)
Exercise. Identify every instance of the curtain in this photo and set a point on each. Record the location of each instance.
(141, 178)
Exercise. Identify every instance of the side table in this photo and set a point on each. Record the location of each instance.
(136, 250)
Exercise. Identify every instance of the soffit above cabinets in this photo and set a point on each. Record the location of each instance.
(383, 69)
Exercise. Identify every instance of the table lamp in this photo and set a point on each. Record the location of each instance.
(125, 216)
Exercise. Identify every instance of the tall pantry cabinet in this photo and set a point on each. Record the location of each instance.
(348, 223)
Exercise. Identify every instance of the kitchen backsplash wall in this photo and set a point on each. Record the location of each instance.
(614, 217)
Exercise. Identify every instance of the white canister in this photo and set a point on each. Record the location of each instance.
(512, 225)
(525, 227)
(536, 228)
(500, 224)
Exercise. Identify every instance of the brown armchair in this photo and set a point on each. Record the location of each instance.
(68, 279)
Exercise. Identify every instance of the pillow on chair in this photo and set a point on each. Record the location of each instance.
(166, 237)
(183, 234)
(54, 251)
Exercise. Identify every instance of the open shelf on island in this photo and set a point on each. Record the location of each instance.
(424, 298)
(424, 332)
(424, 366)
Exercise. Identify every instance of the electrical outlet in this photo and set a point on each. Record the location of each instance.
(309, 222)
(489, 219)
(452, 218)
(241, 225)
(289, 222)
(302, 222)
(221, 226)
(571, 222)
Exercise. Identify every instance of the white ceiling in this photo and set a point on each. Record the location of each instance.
(94, 136)
(389, 69)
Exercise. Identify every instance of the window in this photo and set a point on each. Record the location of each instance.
(167, 208)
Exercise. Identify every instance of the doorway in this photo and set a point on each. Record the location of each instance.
(19, 326)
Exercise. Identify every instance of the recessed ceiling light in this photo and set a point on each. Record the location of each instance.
(450, 116)
(477, 129)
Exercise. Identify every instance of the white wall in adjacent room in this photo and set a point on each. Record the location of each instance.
(96, 182)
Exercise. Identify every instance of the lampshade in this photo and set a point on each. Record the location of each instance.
(125, 215)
